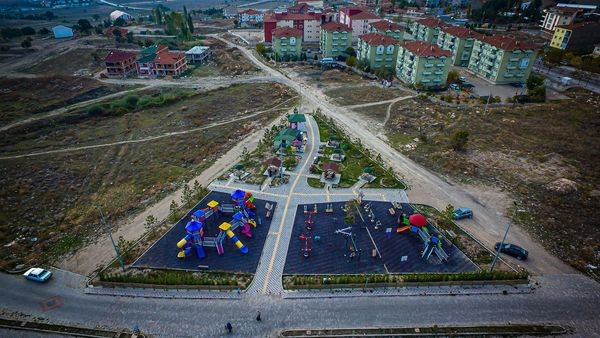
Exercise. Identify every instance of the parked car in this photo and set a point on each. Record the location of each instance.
(38, 275)
(512, 250)
(518, 84)
(461, 213)
(454, 86)
(465, 85)
(462, 79)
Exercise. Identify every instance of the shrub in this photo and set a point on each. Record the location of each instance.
(132, 100)
(95, 110)
(459, 140)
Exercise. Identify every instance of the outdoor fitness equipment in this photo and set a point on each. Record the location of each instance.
(306, 245)
(353, 249)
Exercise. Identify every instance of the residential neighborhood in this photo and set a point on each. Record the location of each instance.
(299, 168)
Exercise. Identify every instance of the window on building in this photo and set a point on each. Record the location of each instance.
(390, 49)
(380, 49)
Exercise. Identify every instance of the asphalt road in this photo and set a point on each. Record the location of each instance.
(563, 299)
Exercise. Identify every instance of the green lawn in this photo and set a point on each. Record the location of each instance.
(356, 161)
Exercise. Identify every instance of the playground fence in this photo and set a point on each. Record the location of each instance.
(329, 287)
(165, 287)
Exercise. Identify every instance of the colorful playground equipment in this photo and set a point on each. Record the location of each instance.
(417, 223)
(353, 250)
(306, 245)
(242, 217)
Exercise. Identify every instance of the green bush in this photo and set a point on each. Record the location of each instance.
(132, 100)
(95, 110)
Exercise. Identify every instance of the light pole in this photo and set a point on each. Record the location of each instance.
(503, 239)
(107, 228)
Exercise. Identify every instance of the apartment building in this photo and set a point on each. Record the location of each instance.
(422, 63)
(287, 43)
(335, 39)
(357, 18)
(378, 50)
(460, 41)
(427, 29)
(388, 28)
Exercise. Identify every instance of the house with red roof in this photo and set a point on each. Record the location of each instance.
(120, 63)
(250, 18)
(388, 28)
(335, 39)
(168, 63)
(423, 64)
(287, 43)
(308, 23)
(502, 59)
(427, 29)
(357, 18)
(145, 63)
(460, 41)
(378, 51)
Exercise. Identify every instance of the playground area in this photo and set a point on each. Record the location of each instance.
(223, 232)
(380, 241)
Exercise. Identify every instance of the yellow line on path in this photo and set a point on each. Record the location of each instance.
(285, 210)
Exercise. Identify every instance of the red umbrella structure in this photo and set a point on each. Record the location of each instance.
(418, 220)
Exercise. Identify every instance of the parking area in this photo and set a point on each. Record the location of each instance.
(484, 88)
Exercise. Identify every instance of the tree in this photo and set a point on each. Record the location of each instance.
(26, 43)
(350, 51)
(553, 56)
(44, 31)
(117, 35)
(96, 17)
(190, 23)
(28, 31)
(132, 100)
(129, 36)
(173, 211)
(150, 223)
(98, 29)
(459, 140)
(453, 77)
(577, 62)
(187, 196)
(84, 25)
(120, 22)
(49, 15)
(125, 247)
(351, 61)
(534, 81)
(261, 49)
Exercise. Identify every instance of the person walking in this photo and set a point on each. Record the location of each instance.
(258, 317)
(229, 327)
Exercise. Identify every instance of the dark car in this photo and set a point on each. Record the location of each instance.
(518, 84)
(513, 250)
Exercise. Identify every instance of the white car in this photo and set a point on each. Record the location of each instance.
(38, 275)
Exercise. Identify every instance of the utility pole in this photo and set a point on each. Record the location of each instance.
(107, 228)
(503, 239)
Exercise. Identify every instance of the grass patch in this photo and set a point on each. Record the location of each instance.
(315, 183)
(299, 281)
(357, 159)
(175, 277)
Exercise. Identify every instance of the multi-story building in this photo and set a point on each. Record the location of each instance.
(145, 64)
(562, 15)
(120, 64)
(312, 3)
(250, 18)
(378, 50)
(169, 63)
(577, 36)
(388, 28)
(335, 39)
(198, 54)
(287, 43)
(427, 29)
(460, 41)
(502, 59)
(357, 18)
(366, 3)
(308, 23)
(422, 63)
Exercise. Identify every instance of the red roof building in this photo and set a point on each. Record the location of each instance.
(335, 27)
(120, 64)
(461, 32)
(432, 22)
(308, 23)
(424, 49)
(357, 18)
(170, 63)
(287, 32)
(385, 25)
(376, 39)
(506, 42)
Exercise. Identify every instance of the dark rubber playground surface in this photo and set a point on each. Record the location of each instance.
(330, 254)
(163, 254)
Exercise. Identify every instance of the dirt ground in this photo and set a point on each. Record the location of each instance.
(123, 179)
(354, 95)
(74, 62)
(24, 97)
(229, 61)
(545, 156)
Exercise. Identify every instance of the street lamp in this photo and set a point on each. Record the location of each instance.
(503, 239)
(107, 228)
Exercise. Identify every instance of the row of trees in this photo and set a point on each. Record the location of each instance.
(180, 24)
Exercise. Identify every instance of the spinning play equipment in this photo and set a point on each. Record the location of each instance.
(242, 217)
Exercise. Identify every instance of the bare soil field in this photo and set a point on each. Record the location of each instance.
(353, 95)
(545, 155)
(48, 203)
(74, 62)
(23, 97)
(229, 61)
(319, 77)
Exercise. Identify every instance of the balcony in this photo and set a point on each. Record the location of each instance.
(428, 65)
(438, 72)
(426, 73)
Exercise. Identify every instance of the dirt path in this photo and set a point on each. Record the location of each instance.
(489, 206)
(87, 260)
(146, 139)
(394, 100)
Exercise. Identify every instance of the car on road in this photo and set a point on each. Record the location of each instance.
(512, 250)
(461, 213)
(38, 275)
